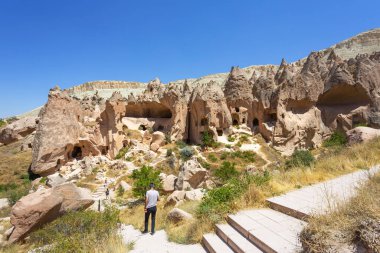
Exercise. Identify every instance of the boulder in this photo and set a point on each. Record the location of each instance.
(38, 208)
(125, 186)
(158, 140)
(17, 130)
(4, 203)
(191, 175)
(175, 198)
(195, 195)
(176, 215)
(55, 179)
(361, 134)
(168, 183)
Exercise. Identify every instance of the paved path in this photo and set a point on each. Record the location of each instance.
(277, 229)
(157, 243)
(320, 198)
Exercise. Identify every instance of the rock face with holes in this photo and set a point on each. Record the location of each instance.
(293, 105)
(41, 207)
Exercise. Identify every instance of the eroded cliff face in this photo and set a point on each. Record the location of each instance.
(293, 105)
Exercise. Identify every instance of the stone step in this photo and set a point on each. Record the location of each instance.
(322, 197)
(235, 240)
(214, 244)
(269, 230)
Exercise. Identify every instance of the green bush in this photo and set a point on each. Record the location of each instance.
(243, 139)
(230, 138)
(180, 144)
(168, 138)
(228, 146)
(7, 187)
(121, 153)
(207, 139)
(212, 158)
(300, 158)
(187, 152)
(169, 152)
(142, 178)
(16, 194)
(220, 201)
(81, 231)
(336, 139)
(226, 171)
(224, 155)
(248, 156)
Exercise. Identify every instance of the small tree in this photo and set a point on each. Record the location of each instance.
(142, 178)
(300, 158)
(207, 139)
(336, 139)
(226, 171)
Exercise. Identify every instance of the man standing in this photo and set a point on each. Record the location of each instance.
(151, 199)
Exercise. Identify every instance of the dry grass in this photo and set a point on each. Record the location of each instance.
(355, 222)
(14, 163)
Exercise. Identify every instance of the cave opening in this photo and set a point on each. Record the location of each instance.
(345, 94)
(204, 122)
(255, 122)
(142, 127)
(160, 128)
(148, 110)
(237, 109)
(243, 121)
(76, 153)
(220, 132)
(235, 122)
(273, 117)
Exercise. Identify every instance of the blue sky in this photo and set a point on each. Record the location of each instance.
(45, 42)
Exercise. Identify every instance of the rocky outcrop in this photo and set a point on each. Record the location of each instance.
(293, 105)
(191, 175)
(18, 129)
(41, 207)
(362, 134)
(176, 215)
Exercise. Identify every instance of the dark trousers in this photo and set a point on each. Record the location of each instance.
(150, 210)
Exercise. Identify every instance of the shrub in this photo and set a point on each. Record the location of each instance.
(187, 152)
(226, 171)
(230, 138)
(300, 158)
(224, 155)
(245, 155)
(2, 123)
(243, 139)
(120, 191)
(336, 139)
(181, 144)
(168, 138)
(207, 139)
(212, 158)
(121, 153)
(82, 231)
(142, 178)
(204, 164)
(228, 146)
(169, 152)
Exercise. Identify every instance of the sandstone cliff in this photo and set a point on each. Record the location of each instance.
(293, 105)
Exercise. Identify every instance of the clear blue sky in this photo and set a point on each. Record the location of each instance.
(68, 42)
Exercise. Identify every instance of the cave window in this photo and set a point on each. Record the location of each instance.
(283, 116)
(76, 153)
(204, 122)
(273, 116)
(105, 150)
(255, 122)
(243, 121)
(220, 132)
(235, 122)
(237, 109)
(142, 127)
(78, 118)
(160, 128)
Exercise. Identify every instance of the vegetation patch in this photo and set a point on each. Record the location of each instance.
(142, 178)
(336, 139)
(300, 158)
(2, 123)
(186, 153)
(83, 231)
(122, 153)
(226, 171)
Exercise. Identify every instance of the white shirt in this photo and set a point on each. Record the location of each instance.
(152, 196)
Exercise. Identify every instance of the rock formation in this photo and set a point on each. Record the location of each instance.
(293, 105)
(41, 207)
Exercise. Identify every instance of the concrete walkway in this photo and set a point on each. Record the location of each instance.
(277, 229)
(157, 243)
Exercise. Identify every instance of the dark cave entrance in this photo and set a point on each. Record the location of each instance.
(235, 122)
(255, 122)
(76, 153)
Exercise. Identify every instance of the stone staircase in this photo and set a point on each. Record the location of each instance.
(277, 229)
